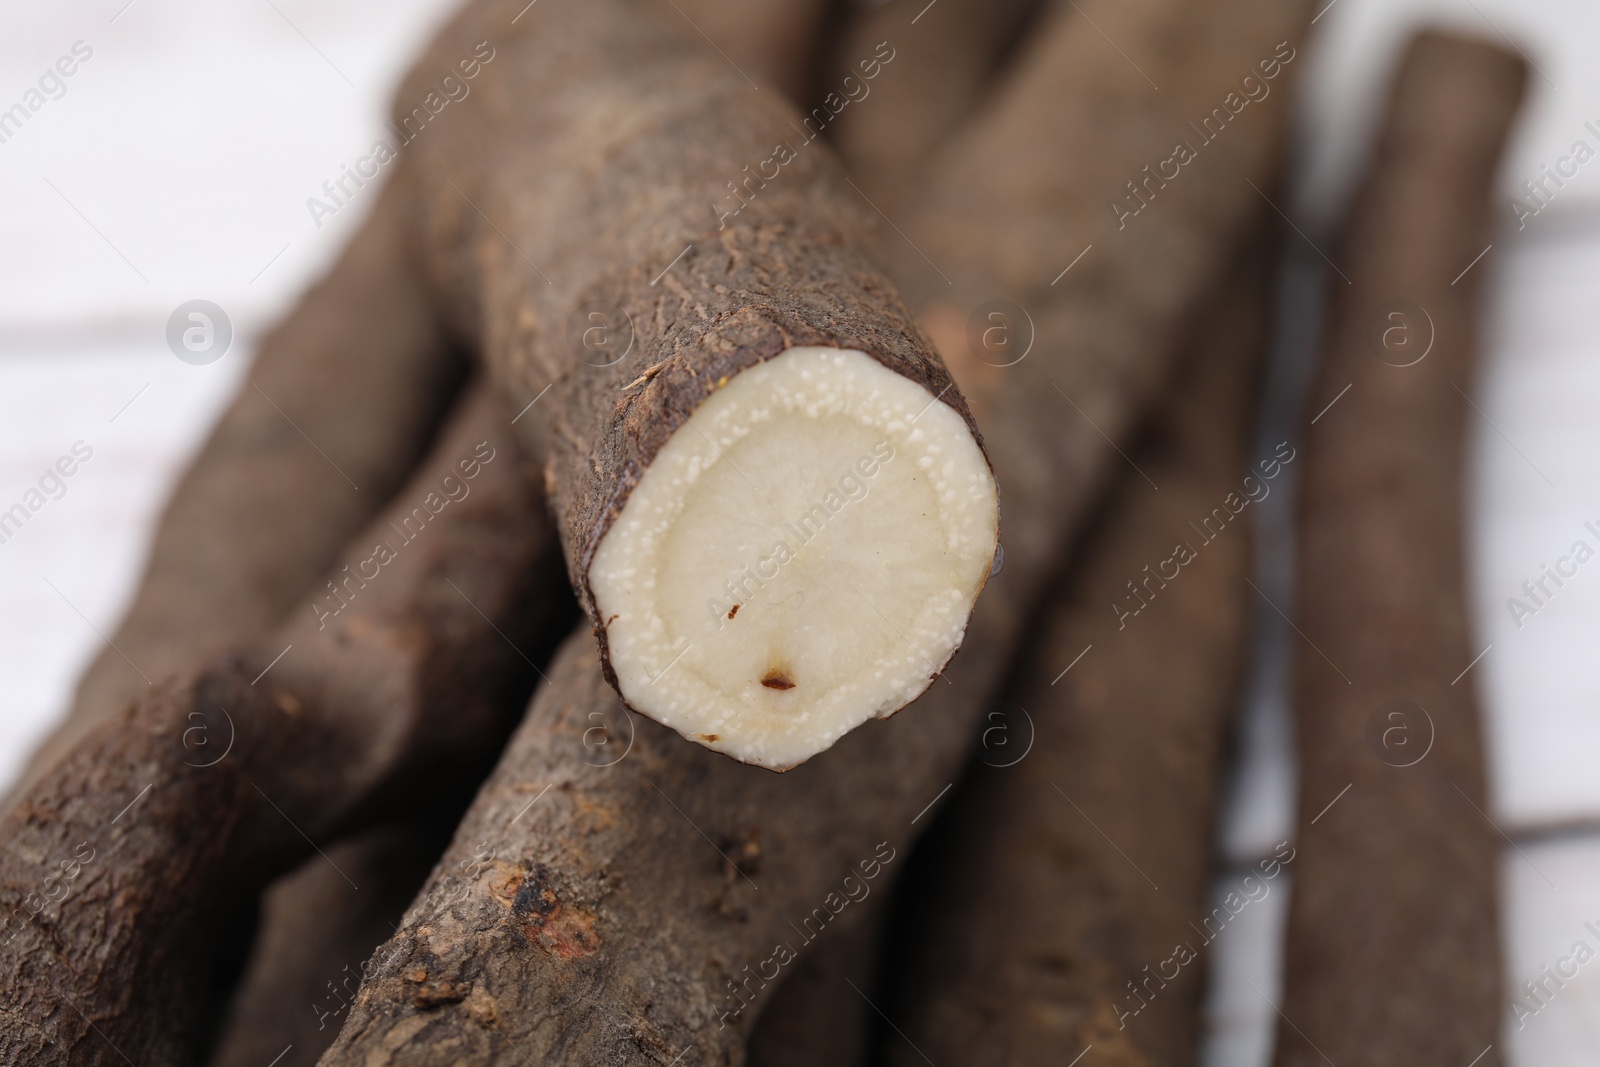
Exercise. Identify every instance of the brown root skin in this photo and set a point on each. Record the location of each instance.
(220, 778)
(363, 368)
(1417, 978)
(131, 944)
(1025, 924)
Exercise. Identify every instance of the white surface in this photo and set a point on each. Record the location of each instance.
(191, 141)
(1245, 972)
(193, 137)
(1541, 387)
(1551, 892)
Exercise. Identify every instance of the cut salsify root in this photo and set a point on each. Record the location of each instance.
(800, 557)
(676, 449)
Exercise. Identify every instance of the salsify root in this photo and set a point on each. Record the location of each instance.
(1392, 940)
(753, 454)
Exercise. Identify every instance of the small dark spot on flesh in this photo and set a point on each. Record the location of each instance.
(733, 611)
(777, 680)
(709, 737)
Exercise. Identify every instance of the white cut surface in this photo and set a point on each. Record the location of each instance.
(801, 557)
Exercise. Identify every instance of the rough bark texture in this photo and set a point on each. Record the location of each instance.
(614, 921)
(593, 171)
(131, 867)
(1076, 853)
(1392, 939)
(362, 369)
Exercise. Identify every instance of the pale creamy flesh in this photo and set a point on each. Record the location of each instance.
(801, 557)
